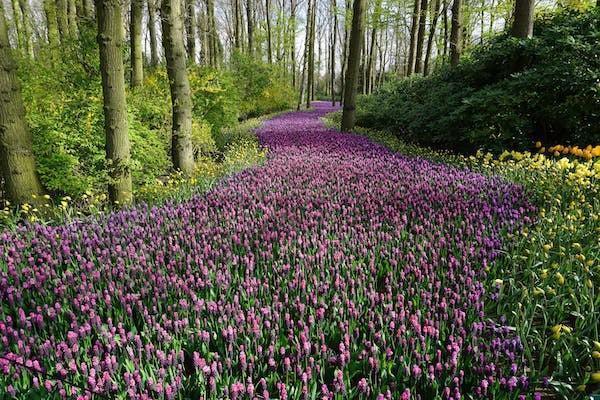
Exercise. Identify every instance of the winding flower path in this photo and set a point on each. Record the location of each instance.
(337, 268)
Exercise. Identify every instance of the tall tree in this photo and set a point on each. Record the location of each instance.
(17, 163)
(293, 39)
(355, 47)
(62, 17)
(371, 57)
(135, 37)
(18, 24)
(269, 38)
(306, 50)
(333, 47)
(51, 22)
(110, 41)
(347, 18)
(72, 17)
(154, 56)
(414, 28)
(190, 31)
(237, 25)
(310, 80)
(421, 37)
(181, 142)
(27, 26)
(456, 33)
(434, 20)
(522, 26)
(250, 22)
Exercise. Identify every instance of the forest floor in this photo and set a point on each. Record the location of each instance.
(337, 266)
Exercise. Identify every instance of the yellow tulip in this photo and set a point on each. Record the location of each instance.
(560, 279)
(596, 354)
(581, 388)
(595, 378)
(597, 345)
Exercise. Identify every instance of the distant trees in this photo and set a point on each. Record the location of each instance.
(110, 28)
(17, 163)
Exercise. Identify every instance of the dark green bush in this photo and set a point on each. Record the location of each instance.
(508, 93)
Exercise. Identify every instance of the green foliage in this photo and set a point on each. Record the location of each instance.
(506, 94)
(263, 88)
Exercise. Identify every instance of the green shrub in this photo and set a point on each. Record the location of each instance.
(506, 94)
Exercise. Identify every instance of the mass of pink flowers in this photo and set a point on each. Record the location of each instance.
(335, 270)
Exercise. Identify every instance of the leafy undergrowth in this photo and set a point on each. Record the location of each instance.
(547, 283)
(234, 149)
(337, 269)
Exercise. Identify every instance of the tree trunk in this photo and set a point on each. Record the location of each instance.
(213, 41)
(154, 56)
(421, 37)
(110, 40)
(135, 37)
(250, 21)
(413, 38)
(306, 56)
(62, 12)
(18, 25)
(358, 26)
(181, 101)
(190, 31)
(311, 51)
(269, 40)
(17, 163)
(455, 33)
(522, 26)
(345, 51)
(237, 28)
(436, 14)
(333, 44)
(51, 23)
(72, 18)
(27, 26)
(293, 40)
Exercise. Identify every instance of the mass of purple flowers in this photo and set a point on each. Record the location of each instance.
(337, 269)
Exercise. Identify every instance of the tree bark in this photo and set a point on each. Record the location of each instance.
(436, 14)
(237, 28)
(356, 35)
(293, 39)
(455, 33)
(154, 56)
(27, 26)
(190, 31)
(250, 21)
(269, 39)
(306, 56)
(181, 101)
(333, 44)
(421, 37)
(522, 26)
(51, 23)
(311, 53)
(17, 163)
(413, 38)
(72, 18)
(62, 12)
(18, 24)
(135, 37)
(345, 50)
(110, 40)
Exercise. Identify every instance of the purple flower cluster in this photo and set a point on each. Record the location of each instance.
(337, 268)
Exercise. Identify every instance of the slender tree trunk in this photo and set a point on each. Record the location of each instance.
(62, 12)
(181, 101)
(51, 23)
(110, 41)
(333, 46)
(250, 21)
(421, 37)
(72, 18)
(17, 163)
(293, 39)
(154, 56)
(455, 33)
(213, 40)
(237, 28)
(18, 24)
(305, 58)
(27, 26)
(345, 50)
(522, 26)
(311, 51)
(190, 17)
(446, 30)
(356, 35)
(135, 37)
(434, 20)
(269, 40)
(414, 28)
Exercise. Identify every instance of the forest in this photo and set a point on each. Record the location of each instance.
(300, 199)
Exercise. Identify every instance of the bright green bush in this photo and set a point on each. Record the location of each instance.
(506, 94)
